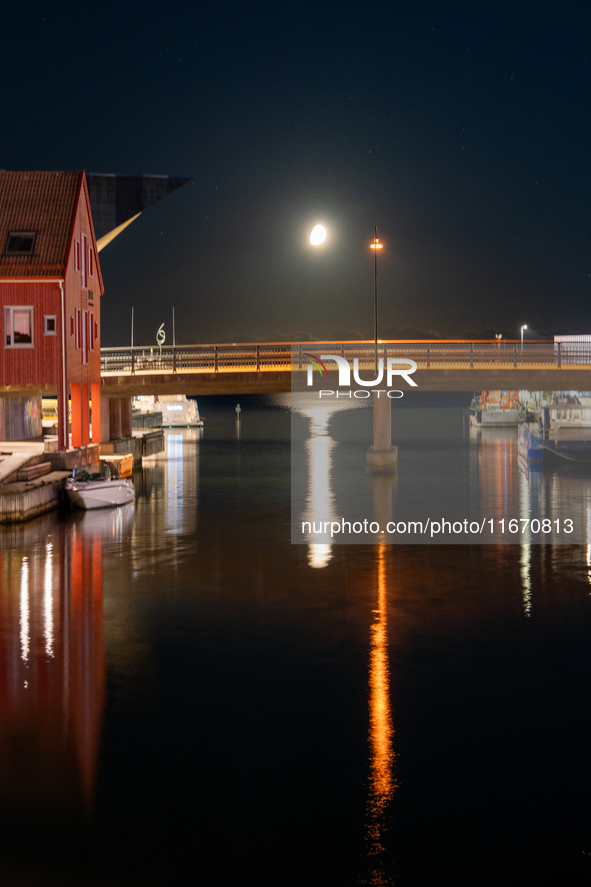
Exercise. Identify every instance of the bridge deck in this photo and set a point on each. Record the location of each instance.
(452, 365)
(267, 368)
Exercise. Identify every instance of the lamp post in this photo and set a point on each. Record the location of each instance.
(375, 245)
(524, 327)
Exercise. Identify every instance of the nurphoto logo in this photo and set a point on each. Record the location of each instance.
(395, 367)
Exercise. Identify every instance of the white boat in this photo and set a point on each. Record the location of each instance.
(88, 491)
(176, 410)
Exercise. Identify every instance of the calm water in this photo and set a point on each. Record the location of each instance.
(186, 697)
(462, 485)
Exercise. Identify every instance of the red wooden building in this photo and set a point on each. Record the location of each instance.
(50, 291)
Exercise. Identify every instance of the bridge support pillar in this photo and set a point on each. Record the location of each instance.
(104, 430)
(382, 458)
(114, 418)
(126, 425)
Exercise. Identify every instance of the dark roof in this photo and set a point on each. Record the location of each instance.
(43, 202)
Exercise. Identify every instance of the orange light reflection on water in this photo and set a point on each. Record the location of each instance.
(381, 783)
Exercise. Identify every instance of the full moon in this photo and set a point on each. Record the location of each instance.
(318, 235)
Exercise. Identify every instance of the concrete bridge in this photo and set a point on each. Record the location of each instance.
(453, 365)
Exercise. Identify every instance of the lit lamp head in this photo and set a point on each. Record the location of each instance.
(375, 244)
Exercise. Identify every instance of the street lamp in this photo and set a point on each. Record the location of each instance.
(375, 245)
(524, 327)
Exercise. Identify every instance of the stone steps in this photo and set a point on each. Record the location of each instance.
(32, 472)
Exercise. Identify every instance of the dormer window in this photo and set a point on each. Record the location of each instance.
(21, 243)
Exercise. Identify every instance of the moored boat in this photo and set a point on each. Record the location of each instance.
(563, 431)
(178, 410)
(496, 409)
(98, 490)
(174, 410)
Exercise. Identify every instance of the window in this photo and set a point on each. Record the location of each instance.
(18, 326)
(50, 322)
(77, 255)
(83, 268)
(78, 330)
(90, 263)
(84, 323)
(21, 243)
(91, 330)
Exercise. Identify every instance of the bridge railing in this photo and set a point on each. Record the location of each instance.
(283, 356)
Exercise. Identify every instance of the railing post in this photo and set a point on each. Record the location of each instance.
(559, 356)
(471, 355)
(342, 350)
(258, 357)
(174, 359)
(299, 357)
(132, 362)
(514, 356)
(215, 358)
(428, 355)
(385, 357)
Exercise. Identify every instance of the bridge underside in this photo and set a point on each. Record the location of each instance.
(268, 382)
(276, 382)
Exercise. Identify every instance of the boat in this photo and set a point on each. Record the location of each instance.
(174, 410)
(496, 408)
(177, 410)
(563, 431)
(98, 490)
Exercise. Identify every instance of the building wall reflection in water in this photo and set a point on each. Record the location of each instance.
(52, 667)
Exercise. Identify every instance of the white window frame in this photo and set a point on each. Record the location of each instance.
(84, 260)
(84, 331)
(47, 317)
(77, 255)
(12, 309)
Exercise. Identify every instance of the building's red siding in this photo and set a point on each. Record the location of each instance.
(38, 365)
(62, 220)
(78, 298)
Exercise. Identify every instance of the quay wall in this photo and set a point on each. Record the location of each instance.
(26, 499)
(144, 442)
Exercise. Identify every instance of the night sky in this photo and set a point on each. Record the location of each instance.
(461, 130)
